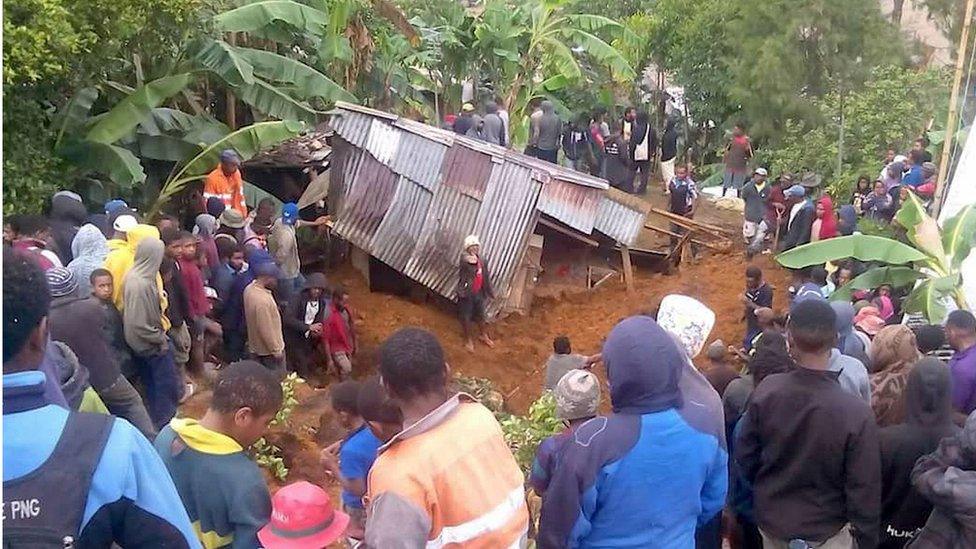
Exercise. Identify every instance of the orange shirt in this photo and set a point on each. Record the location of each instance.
(229, 188)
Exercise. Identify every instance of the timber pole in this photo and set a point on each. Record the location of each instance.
(953, 119)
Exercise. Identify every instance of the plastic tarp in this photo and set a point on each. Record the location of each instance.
(960, 193)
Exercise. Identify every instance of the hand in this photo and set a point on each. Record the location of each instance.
(315, 329)
(329, 461)
(745, 299)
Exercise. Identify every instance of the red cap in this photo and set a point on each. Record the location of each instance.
(302, 517)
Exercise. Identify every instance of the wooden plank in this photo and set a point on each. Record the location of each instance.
(679, 247)
(628, 269)
(568, 232)
(691, 222)
(694, 240)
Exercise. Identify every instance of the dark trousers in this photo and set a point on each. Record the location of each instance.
(122, 400)
(709, 535)
(275, 364)
(644, 168)
(234, 345)
(548, 156)
(163, 386)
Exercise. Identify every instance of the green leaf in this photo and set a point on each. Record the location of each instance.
(223, 60)
(117, 163)
(923, 231)
(164, 120)
(128, 113)
(604, 53)
(958, 235)
(165, 147)
(256, 16)
(896, 277)
(305, 81)
(275, 103)
(857, 246)
(75, 112)
(562, 58)
(930, 296)
(554, 83)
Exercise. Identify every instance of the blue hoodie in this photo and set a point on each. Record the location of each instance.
(644, 476)
(131, 501)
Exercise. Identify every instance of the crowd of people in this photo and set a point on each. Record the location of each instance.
(831, 425)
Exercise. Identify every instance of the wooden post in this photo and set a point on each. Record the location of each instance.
(628, 269)
(953, 120)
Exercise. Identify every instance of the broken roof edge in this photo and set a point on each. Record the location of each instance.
(497, 152)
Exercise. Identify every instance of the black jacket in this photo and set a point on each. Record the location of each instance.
(67, 214)
(79, 323)
(811, 451)
(636, 134)
(799, 231)
(466, 272)
(294, 318)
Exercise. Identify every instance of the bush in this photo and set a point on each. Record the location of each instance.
(524, 433)
(268, 455)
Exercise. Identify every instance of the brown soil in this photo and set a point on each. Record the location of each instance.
(522, 342)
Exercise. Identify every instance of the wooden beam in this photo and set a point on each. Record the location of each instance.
(677, 249)
(568, 232)
(687, 221)
(628, 269)
(694, 240)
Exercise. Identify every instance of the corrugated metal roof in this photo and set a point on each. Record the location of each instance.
(621, 216)
(510, 197)
(368, 196)
(572, 204)
(383, 141)
(450, 218)
(419, 159)
(398, 234)
(466, 170)
(352, 126)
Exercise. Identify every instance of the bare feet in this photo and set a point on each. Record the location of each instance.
(469, 345)
(487, 340)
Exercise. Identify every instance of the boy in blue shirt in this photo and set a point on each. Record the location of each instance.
(350, 459)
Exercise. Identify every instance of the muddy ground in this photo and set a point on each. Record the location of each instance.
(522, 342)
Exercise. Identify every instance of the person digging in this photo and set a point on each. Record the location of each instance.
(473, 291)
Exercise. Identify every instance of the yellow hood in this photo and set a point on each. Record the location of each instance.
(204, 440)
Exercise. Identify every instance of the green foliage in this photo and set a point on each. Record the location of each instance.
(524, 433)
(289, 400)
(891, 109)
(268, 456)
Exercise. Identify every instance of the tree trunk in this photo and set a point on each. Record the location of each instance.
(896, 11)
(231, 106)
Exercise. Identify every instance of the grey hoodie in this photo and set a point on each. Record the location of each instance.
(142, 312)
(550, 128)
(89, 248)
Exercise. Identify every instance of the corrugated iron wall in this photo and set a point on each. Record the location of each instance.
(574, 205)
(618, 221)
(466, 170)
(369, 192)
(398, 234)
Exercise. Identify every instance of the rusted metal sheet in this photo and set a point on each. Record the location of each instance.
(398, 234)
(382, 141)
(466, 170)
(345, 164)
(506, 219)
(419, 159)
(369, 192)
(450, 218)
(619, 221)
(574, 205)
(352, 126)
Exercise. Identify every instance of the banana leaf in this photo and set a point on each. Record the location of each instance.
(305, 81)
(128, 113)
(923, 231)
(164, 120)
(603, 53)
(896, 277)
(224, 60)
(117, 163)
(562, 58)
(958, 235)
(857, 246)
(930, 296)
(275, 103)
(165, 147)
(72, 117)
(258, 15)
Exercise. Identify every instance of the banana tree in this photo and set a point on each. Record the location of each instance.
(930, 265)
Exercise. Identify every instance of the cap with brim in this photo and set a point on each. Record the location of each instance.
(232, 218)
(124, 223)
(289, 213)
(115, 205)
(467, 107)
(761, 171)
(302, 517)
(210, 293)
(810, 181)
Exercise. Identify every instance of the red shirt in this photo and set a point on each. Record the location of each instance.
(195, 294)
(479, 279)
(335, 331)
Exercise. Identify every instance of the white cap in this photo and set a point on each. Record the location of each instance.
(124, 223)
(761, 171)
(900, 158)
(471, 240)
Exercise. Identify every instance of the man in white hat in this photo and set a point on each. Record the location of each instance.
(473, 291)
(755, 194)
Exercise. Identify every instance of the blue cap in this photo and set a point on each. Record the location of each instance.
(114, 205)
(229, 155)
(289, 213)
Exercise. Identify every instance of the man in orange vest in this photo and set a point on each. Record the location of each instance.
(225, 182)
(447, 478)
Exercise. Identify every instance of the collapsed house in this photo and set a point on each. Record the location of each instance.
(407, 194)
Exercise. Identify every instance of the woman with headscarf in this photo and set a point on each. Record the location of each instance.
(825, 222)
(205, 229)
(928, 419)
(893, 355)
(144, 326)
(89, 248)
